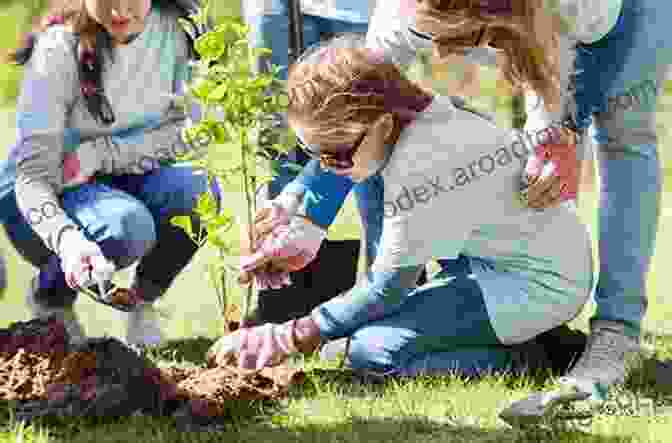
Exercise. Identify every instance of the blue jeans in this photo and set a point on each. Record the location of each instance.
(622, 75)
(441, 326)
(272, 32)
(128, 216)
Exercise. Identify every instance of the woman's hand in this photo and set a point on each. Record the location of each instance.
(283, 244)
(267, 345)
(552, 174)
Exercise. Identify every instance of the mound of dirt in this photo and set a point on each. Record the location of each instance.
(41, 374)
(214, 392)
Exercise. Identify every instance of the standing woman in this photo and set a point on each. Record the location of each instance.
(621, 52)
(93, 181)
(582, 63)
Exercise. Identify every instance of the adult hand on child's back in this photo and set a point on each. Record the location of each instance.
(552, 173)
(283, 243)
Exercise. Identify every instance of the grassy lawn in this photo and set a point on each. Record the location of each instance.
(429, 410)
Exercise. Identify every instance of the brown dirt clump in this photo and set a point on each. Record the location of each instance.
(212, 392)
(43, 375)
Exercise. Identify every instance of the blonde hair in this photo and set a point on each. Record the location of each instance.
(527, 34)
(338, 89)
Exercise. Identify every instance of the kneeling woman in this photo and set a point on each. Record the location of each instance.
(443, 184)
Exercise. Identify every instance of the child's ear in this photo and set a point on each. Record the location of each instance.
(385, 126)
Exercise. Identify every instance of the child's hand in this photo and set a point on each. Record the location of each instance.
(82, 261)
(267, 345)
(283, 244)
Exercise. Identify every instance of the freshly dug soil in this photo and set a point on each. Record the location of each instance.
(215, 392)
(43, 375)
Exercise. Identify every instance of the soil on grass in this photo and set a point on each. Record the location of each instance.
(215, 392)
(43, 375)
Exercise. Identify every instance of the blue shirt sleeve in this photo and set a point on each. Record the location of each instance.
(325, 193)
(382, 295)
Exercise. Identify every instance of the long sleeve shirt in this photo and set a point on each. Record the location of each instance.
(450, 188)
(60, 145)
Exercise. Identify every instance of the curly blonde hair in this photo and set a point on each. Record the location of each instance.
(524, 30)
(339, 89)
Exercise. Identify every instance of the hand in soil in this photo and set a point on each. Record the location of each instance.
(252, 348)
(265, 346)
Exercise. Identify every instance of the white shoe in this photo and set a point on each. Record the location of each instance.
(609, 356)
(143, 327)
(65, 315)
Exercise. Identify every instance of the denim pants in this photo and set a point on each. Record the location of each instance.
(443, 325)
(128, 216)
(618, 86)
(272, 32)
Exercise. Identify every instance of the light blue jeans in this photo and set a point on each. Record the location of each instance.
(621, 78)
(128, 216)
(442, 326)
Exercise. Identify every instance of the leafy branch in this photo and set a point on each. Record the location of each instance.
(237, 109)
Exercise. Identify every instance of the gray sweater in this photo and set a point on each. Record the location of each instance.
(60, 145)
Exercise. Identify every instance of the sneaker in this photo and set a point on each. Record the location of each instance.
(609, 356)
(66, 315)
(142, 327)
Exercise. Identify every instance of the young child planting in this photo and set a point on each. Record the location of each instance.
(93, 181)
(442, 183)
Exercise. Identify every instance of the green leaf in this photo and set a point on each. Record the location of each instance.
(202, 88)
(184, 222)
(210, 46)
(218, 93)
(206, 206)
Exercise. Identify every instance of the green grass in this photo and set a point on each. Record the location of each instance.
(427, 410)
(441, 409)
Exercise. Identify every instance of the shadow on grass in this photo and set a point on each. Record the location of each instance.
(353, 429)
(411, 429)
(356, 384)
